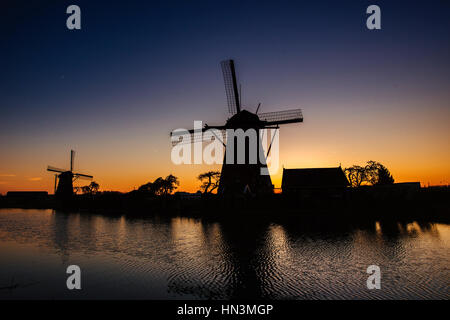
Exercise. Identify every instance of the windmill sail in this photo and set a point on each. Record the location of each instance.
(282, 117)
(179, 136)
(53, 169)
(72, 159)
(229, 78)
(84, 176)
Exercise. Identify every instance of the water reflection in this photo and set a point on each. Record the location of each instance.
(159, 258)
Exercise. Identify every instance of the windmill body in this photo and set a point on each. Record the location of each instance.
(237, 178)
(65, 184)
(240, 178)
(64, 178)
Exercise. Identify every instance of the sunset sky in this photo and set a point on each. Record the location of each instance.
(136, 70)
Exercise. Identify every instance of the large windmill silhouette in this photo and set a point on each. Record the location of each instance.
(66, 177)
(245, 177)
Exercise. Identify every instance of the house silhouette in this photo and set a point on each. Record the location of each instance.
(314, 182)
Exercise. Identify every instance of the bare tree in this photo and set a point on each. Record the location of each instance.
(378, 174)
(210, 181)
(374, 173)
(356, 175)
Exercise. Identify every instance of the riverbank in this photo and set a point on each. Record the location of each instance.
(362, 203)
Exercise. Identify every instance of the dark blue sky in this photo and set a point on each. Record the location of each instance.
(142, 68)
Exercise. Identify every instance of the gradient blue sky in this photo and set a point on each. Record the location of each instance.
(137, 69)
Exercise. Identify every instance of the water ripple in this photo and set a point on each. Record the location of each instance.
(159, 258)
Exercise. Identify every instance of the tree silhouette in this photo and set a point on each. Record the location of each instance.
(94, 186)
(91, 189)
(160, 186)
(374, 173)
(146, 188)
(378, 174)
(169, 184)
(356, 175)
(210, 181)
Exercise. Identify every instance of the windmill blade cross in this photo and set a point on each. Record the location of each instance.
(83, 176)
(231, 90)
(54, 169)
(282, 117)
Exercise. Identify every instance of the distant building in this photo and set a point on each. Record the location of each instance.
(187, 195)
(25, 199)
(408, 185)
(27, 194)
(314, 182)
(404, 190)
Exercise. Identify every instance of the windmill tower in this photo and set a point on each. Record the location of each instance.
(64, 178)
(239, 178)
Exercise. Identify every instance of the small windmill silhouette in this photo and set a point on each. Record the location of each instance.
(66, 178)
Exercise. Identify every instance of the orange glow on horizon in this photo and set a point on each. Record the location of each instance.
(109, 181)
(122, 159)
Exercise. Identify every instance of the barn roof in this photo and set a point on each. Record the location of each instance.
(314, 177)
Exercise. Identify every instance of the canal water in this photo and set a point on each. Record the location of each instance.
(183, 258)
